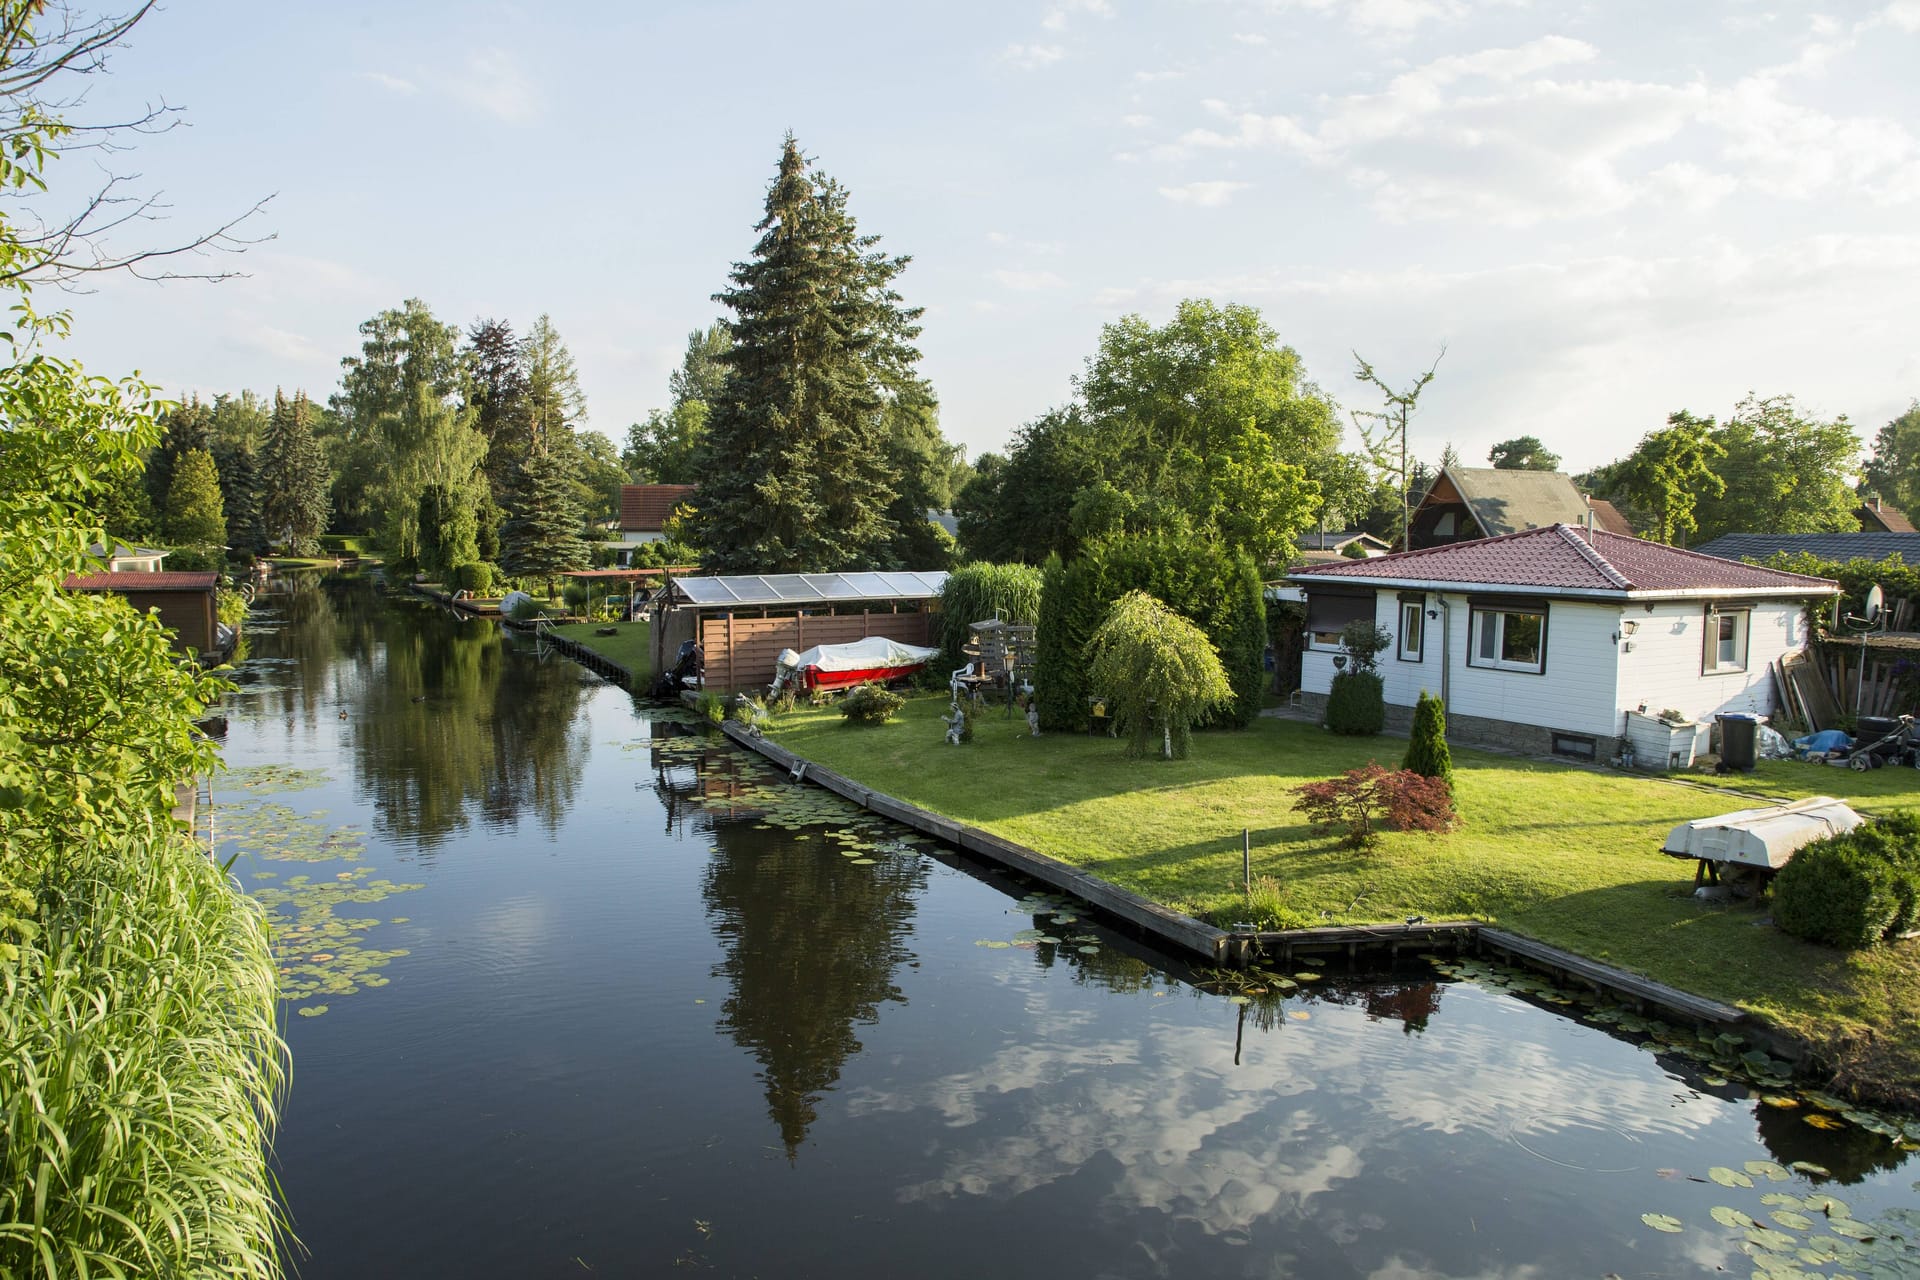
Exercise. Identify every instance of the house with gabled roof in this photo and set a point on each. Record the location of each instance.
(187, 603)
(645, 509)
(1465, 503)
(1542, 640)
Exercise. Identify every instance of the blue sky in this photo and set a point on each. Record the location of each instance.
(1605, 211)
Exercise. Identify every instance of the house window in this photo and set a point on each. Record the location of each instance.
(1509, 641)
(1328, 611)
(1444, 526)
(1726, 640)
(1413, 620)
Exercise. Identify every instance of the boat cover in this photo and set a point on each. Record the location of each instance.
(1766, 837)
(857, 655)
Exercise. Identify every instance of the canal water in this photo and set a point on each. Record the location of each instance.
(576, 989)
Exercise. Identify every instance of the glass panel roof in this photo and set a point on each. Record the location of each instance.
(806, 588)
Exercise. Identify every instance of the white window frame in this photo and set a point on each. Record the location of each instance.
(1496, 619)
(1414, 625)
(1324, 642)
(1710, 660)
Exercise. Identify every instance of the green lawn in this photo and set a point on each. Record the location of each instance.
(1569, 856)
(628, 648)
(1876, 791)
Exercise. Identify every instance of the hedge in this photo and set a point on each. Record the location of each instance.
(976, 592)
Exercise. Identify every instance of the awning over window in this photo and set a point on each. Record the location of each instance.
(1331, 609)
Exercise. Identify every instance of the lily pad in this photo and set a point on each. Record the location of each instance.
(1298, 1015)
(1809, 1167)
(1768, 1238)
(1663, 1222)
(1730, 1217)
(1767, 1169)
(313, 1010)
(1792, 1221)
(1729, 1177)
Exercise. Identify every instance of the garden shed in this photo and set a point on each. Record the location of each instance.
(744, 621)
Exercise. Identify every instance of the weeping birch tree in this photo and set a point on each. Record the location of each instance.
(1158, 673)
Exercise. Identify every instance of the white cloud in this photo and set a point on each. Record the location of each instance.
(1246, 37)
(394, 84)
(1904, 14)
(1136, 121)
(489, 81)
(1028, 281)
(1057, 18)
(1207, 195)
(1493, 136)
(492, 81)
(1031, 57)
(1391, 17)
(1154, 77)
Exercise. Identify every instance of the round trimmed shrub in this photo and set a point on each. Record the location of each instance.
(475, 576)
(870, 704)
(1358, 704)
(1838, 893)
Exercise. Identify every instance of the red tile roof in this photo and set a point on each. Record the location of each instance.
(1876, 516)
(1560, 557)
(132, 581)
(644, 508)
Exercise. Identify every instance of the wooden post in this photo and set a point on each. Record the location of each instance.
(729, 688)
(1246, 857)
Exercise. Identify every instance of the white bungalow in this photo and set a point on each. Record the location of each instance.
(1544, 640)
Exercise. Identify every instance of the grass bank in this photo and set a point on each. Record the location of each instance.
(1569, 856)
(628, 646)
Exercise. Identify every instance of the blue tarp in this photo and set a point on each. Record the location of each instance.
(1825, 740)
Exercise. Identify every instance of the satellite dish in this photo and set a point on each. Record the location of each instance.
(1876, 603)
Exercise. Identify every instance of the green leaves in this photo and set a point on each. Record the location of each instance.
(1158, 672)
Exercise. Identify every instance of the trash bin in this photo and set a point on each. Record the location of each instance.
(1739, 739)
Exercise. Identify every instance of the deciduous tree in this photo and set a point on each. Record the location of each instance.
(1893, 471)
(1159, 674)
(1785, 472)
(1523, 453)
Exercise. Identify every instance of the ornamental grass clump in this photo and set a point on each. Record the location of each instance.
(1158, 673)
(1349, 804)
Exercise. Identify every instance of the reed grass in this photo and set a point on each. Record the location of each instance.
(141, 1072)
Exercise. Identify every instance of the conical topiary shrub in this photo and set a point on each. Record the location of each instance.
(1427, 752)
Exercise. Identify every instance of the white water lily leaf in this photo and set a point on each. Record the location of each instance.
(1791, 1220)
(1767, 1169)
(1729, 1217)
(1663, 1222)
(1729, 1177)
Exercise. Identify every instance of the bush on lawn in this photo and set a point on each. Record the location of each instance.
(1158, 673)
(1219, 589)
(1357, 705)
(475, 576)
(1403, 799)
(1852, 890)
(1427, 753)
(870, 704)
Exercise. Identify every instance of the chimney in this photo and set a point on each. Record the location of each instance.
(1588, 498)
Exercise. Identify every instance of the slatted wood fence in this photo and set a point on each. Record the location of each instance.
(741, 651)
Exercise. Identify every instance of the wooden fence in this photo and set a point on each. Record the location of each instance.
(741, 651)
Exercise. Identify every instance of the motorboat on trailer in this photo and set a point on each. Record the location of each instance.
(874, 660)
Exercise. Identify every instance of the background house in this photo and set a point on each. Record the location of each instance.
(1543, 640)
(644, 509)
(1465, 503)
(1317, 548)
(1836, 547)
(126, 559)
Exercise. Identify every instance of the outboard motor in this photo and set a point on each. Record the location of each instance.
(786, 671)
(689, 671)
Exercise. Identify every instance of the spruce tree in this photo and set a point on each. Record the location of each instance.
(542, 535)
(194, 513)
(294, 479)
(793, 471)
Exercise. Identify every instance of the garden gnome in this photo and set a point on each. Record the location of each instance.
(955, 723)
(1033, 720)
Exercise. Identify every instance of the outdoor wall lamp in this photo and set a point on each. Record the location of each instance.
(1433, 613)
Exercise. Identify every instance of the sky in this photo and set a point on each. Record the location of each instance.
(1603, 212)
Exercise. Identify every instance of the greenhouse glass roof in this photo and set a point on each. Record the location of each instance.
(805, 588)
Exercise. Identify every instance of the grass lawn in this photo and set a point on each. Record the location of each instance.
(1876, 791)
(628, 648)
(1569, 856)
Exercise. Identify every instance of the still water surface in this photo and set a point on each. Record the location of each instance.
(604, 997)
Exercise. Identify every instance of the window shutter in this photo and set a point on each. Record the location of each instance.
(1332, 610)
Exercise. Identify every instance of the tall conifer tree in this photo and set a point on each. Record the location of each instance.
(294, 480)
(542, 535)
(793, 472)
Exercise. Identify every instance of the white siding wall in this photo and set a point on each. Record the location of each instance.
(1576, 691)
(1664, 668)
(1405, 680)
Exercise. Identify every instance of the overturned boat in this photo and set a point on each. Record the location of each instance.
(874, 660)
